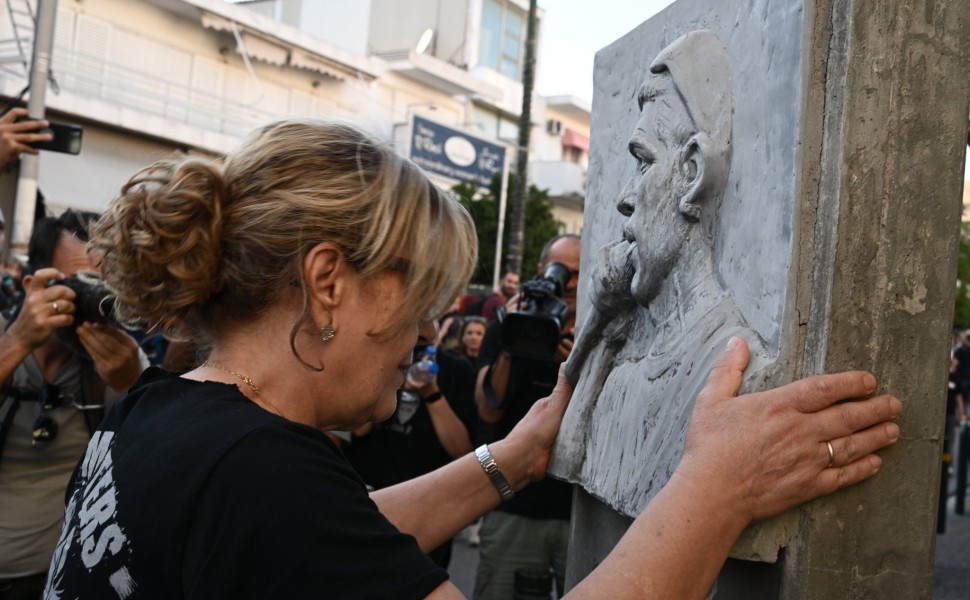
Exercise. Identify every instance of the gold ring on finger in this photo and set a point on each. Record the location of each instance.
(57, 309)
(831, 454)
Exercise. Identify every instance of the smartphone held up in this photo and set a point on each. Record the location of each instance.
(66, 137)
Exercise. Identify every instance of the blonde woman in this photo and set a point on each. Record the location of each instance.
(311, 262)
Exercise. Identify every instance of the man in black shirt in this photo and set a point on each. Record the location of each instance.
(529, 531)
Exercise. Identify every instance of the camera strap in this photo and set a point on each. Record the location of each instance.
(92, 389)
(92, 395)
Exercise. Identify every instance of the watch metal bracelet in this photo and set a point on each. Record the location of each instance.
(494, 473)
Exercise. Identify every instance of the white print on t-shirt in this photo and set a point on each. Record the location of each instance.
(90, 521)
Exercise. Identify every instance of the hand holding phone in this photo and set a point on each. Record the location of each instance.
(63, 137)
(16, 135)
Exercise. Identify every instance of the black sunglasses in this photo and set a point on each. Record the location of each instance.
(45, 427)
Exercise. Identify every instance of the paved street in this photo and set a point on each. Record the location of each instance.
(951, 579)
(952, 574)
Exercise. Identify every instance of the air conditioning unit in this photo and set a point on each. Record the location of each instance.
(554, 127)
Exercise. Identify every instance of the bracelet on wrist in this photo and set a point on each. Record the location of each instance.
(494, 473)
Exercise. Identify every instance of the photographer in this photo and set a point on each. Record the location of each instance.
(530, 531)
(59, 378)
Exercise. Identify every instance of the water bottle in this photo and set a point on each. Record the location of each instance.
(422, 372)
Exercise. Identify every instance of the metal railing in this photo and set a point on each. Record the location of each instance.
(90, 76)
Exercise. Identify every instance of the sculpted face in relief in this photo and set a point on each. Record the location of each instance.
(655, 226)
(660, 316)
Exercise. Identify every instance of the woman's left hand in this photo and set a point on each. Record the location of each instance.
(769, 451)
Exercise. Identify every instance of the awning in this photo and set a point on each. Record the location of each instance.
(253, 46)
(261, 48)
(211, 21)
(264, 50)
(574, 139)
(305, 60)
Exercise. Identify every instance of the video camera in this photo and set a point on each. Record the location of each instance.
(93, 302)
(534, 331)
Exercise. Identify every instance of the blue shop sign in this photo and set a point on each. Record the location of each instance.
(454, 154)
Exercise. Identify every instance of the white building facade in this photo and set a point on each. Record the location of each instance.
(150, 77)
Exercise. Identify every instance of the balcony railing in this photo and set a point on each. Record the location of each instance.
(89, 76)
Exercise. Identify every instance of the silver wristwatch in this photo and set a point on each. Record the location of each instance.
(494, 473)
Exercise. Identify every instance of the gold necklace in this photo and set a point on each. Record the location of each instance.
(248, 381)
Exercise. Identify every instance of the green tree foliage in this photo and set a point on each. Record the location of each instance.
(540, 225)
(961, 311)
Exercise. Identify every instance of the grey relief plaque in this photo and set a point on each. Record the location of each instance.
(786, 171)
(687, 239)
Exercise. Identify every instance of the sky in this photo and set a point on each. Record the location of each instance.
(574, 30)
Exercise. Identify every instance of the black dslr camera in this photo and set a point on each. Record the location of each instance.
(93, 302)
(534, 331)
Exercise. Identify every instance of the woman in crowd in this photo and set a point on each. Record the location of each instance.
(470, 337)
(312, 260)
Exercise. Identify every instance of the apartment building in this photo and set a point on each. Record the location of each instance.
(150, 77)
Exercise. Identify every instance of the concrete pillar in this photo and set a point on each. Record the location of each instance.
(884, 156)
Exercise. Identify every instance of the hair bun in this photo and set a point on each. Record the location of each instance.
(161, 240)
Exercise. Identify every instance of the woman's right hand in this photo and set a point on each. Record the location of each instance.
(767, 452)
(533, 437)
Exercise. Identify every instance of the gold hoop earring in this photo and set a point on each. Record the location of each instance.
(326, 333)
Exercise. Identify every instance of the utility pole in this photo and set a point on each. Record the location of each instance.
(517, 241)
(40, 65)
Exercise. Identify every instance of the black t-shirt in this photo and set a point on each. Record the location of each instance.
(529, 380)
(189, 490)
(406, 446)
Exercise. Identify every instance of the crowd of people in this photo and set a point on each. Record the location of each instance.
(286, 452)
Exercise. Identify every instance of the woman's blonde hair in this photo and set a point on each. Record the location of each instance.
(220, 243)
